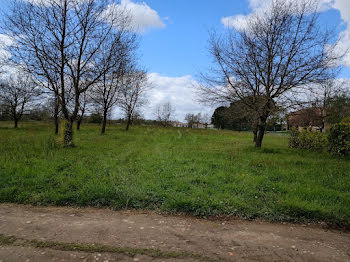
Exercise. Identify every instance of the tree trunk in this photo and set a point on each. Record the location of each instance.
(104, 122)
(56, 125)
(255, 133)
(80, 118)
(16, 123)
(68, 134)
(128, 122)
(323, 127)
(78, 123)
(260, 137)
(260, 132)
(55, 116)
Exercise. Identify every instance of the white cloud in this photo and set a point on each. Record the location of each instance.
(143, 18)
(179, 91)
(5, 41)
(344, 8)
(7, 69)
(240, 21)
(344, 46)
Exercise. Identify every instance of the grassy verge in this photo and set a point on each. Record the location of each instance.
(201, 172)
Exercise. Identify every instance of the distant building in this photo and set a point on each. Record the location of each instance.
(312, 117)
(178, 124)
(196, 125)
(203, 126)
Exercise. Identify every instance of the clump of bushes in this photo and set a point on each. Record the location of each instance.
(294, 138)
(95, 118)
(339, 139)
(306, 139)
(65, 134)
(346, 120)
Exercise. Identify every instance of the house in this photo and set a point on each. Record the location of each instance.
(203, 126)
(196, 125)
(312, 117)
(178, 124)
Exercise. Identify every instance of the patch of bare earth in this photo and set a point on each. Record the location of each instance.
(66, 234)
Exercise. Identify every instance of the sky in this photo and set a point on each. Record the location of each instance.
(174, 39)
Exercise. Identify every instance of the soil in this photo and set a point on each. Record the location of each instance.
(148, 236)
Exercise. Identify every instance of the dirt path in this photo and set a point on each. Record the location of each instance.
(65, 234)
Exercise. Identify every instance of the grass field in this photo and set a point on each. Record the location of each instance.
(201, 172)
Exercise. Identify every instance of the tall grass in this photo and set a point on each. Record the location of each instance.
(201, 172)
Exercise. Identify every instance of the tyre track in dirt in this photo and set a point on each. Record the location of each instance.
(148, 236)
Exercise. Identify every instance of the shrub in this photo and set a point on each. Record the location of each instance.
(312, 140)
(307, 140)
(294, 138)
(339, 139)
(65, 134)
(95, 118)
(346, 120)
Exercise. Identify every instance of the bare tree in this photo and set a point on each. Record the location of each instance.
(83, 104)
(61, 42)
(137, 117)
(53, 106)
(206, 120)
(321, 95)
(193, 119)
(265, 64)
(16, 93)
(53, 102)
(106, 91)
(105, 95)
(164, 113)
(132, 94)
(56, 113)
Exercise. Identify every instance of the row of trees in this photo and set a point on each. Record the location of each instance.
(232, 117)
(76, 52)
(75, 48)
(20, 95)
(327, 103)
(194, 120)
(15, 94)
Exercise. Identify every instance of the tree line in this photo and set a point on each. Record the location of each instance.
(327, 104)
(76, 53)
(83, 52)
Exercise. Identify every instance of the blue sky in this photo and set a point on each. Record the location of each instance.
(180, 48)
(174, 34)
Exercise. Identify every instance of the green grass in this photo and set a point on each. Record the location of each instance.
(201, 172)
